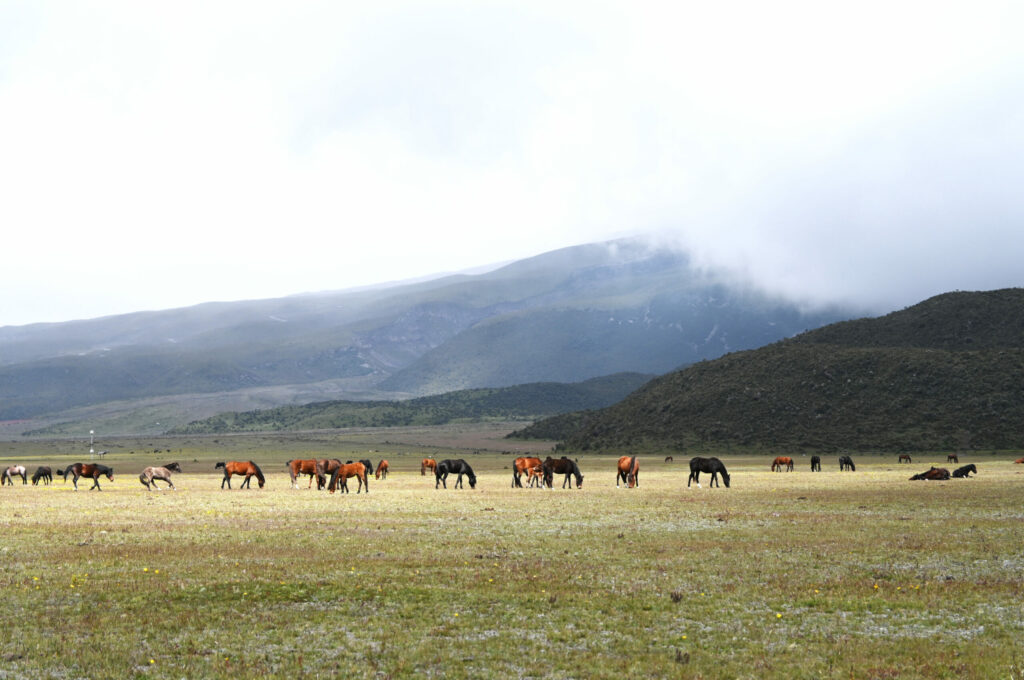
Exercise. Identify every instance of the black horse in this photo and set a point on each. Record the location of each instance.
(43, 473)
(846, 463)
(454, 467)
(710, 465)
(562, 466)
(965, 471)
(815, 463)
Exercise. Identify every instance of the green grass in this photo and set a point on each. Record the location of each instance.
(789, 575)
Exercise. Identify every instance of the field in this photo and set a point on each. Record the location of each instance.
(789, 575)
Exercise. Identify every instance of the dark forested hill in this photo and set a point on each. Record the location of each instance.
(510, 403)
(945, 374)
(563, 316)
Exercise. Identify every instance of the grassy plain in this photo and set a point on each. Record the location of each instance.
(789, 575)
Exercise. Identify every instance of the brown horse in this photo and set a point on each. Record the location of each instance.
(151, 474)
(951, 458)
(940, 474)
(782, 462)
(535, 477)
(382, 470)
(236, 467)
(669, 459)
(309, 466)
(562, 466)
(629, 471)
(91, 471)
(428, 464)
(904, 458)
(346, 470)
(522, 466)
(1019, 461)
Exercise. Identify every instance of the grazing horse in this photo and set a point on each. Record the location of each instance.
(815, 463)
(237, 467)
(628, 472)
(454, 467)
(12, 472)
(904, 458)
(382, 470)
(42, 473)
(669, 459)
(309, 466)
(91, 471)
(951, 458)
(939, 474)
(329, 465)
(562, 466)
(358, 470)
(782, 462)
(428, 464)
(965, 471)
(522, 466)
(846, 463)
(151, 474)
(709, 465)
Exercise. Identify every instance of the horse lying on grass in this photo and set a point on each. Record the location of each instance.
(934, 474)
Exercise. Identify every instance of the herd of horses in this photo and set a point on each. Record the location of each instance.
(332, 474)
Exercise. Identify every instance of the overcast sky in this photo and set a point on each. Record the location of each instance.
(161, 154)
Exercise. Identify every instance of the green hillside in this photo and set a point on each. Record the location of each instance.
(519, 402)
(945, 374)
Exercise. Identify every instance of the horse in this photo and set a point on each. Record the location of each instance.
(904, 458)
(965, 471)
(815, 463)
(669, 459)
(1019, 461)
(43, 473)
(781, 462)
(710, 465)
(846, 463)
(951, 458)
(91, 471)
(350, 469)
(12, 472)
(151, 474)
(522, 466)
(454, 467)
(562, 466)
(308, 466)
(382, 470)
(329, 465)
(428, 464)
(939, 474)
(236, 467)
(535, 477)
(628, 472)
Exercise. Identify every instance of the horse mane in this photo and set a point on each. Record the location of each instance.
(259, 473)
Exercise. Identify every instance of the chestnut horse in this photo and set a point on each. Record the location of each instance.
(782, 462)
(939, 474)
(904, 458)
(12, 472)
(1019, 461)
(42, 473)
(428, 464)
(91, 471)
(535, 477)
(237, 467)
(151, 474)
(951, 458)
(346, 470)
(382, 470)
(523, 466)
(309, 466)
(628, 473)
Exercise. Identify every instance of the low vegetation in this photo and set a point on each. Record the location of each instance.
(784, 575)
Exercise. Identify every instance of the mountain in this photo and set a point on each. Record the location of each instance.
(947, 373)
(519, 402)
(564, 316)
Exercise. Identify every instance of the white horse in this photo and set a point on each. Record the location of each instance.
(151, 474)
(12, 472)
